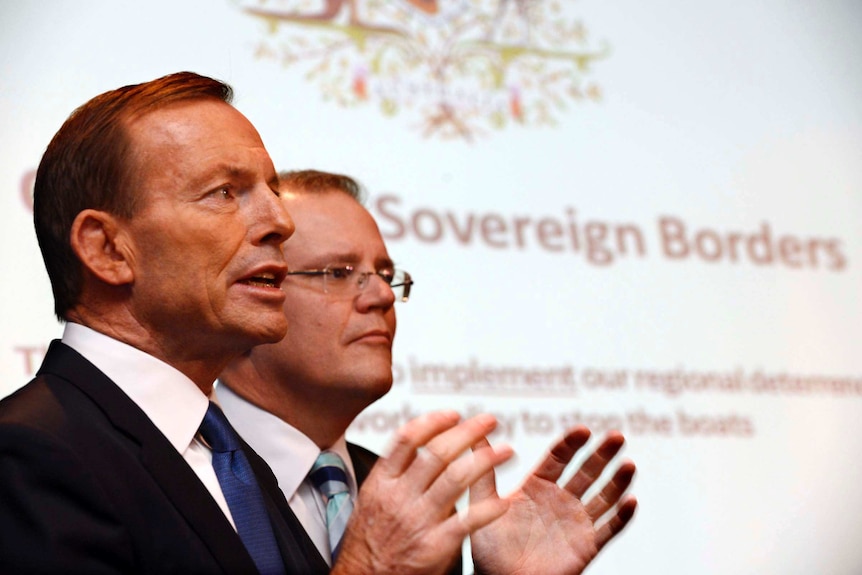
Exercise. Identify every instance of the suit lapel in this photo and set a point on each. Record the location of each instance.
(363, 460)
(167, 467)
(297, 548)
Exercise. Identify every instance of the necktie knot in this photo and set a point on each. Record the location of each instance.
(217, 432)
(329, 474)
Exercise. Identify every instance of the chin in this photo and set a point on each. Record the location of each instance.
(372, 384)
(272, 332)
(369, 395)
(381, 387)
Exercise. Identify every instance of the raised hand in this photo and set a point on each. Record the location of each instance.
(547, 529)
(403, 520)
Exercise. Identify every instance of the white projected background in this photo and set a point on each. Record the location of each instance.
(668, 244)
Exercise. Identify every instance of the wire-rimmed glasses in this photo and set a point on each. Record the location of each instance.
(345, 280)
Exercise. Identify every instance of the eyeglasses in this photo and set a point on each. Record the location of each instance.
(344, 280)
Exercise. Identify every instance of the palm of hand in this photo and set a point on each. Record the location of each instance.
(546, 531)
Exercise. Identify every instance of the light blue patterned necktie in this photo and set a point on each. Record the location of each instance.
(330, 478)
(242, 492)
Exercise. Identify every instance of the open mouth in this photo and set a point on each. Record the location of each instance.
(265, 280)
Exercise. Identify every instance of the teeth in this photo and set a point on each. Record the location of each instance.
(262, 280)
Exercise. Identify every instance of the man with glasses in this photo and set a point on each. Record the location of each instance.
(295, 399)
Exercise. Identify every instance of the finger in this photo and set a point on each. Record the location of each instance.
(462, 473)
(446, 447)
(594, 465)
(412, 435)
(612, 492)
(556, 460)
(617, 522)
(486, 486)
(474, 517)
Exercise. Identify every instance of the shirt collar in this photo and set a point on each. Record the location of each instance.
(172, 401)
(288, 452)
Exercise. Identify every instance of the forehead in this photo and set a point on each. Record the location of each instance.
(331, 226)
(197, 140)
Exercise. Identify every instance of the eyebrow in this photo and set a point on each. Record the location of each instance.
(232, 171)
(348, 258)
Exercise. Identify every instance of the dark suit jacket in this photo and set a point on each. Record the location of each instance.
(89, 485)
(363, 461)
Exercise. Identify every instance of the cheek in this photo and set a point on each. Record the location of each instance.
(160, 247)
(207, 264)
(307, 328)
(158, 260)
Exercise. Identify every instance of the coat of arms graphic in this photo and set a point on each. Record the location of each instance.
(465, 67)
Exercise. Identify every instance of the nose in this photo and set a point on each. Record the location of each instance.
(274, 222)
(376, 295)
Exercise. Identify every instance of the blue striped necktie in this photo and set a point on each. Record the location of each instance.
(242, 492)
(330, 478)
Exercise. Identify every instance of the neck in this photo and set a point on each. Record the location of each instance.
(324, 422)
(202, 369)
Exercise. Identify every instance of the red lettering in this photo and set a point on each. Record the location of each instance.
(465, 234)
(760, 246)
(708, 245)
(436, 226)
(494, 225)
(520, 224)
(547, 230)
(27, 181)
(789, 249)
(32, 356)
(673, 243)
(381, 205)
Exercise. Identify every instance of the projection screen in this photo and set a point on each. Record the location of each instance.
(641, 216)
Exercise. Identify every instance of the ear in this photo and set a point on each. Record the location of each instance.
(98, 239)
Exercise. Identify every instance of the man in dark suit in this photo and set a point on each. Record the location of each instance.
(157, 213)
(295, 399)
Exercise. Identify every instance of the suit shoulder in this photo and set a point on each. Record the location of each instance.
(32, 404)
(52, 413)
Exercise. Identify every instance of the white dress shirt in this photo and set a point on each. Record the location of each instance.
(172, 401)
(290, 454)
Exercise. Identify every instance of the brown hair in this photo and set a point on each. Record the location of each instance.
(315, 181)
(87, 166)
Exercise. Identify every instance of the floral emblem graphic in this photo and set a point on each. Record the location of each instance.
(465, 67)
